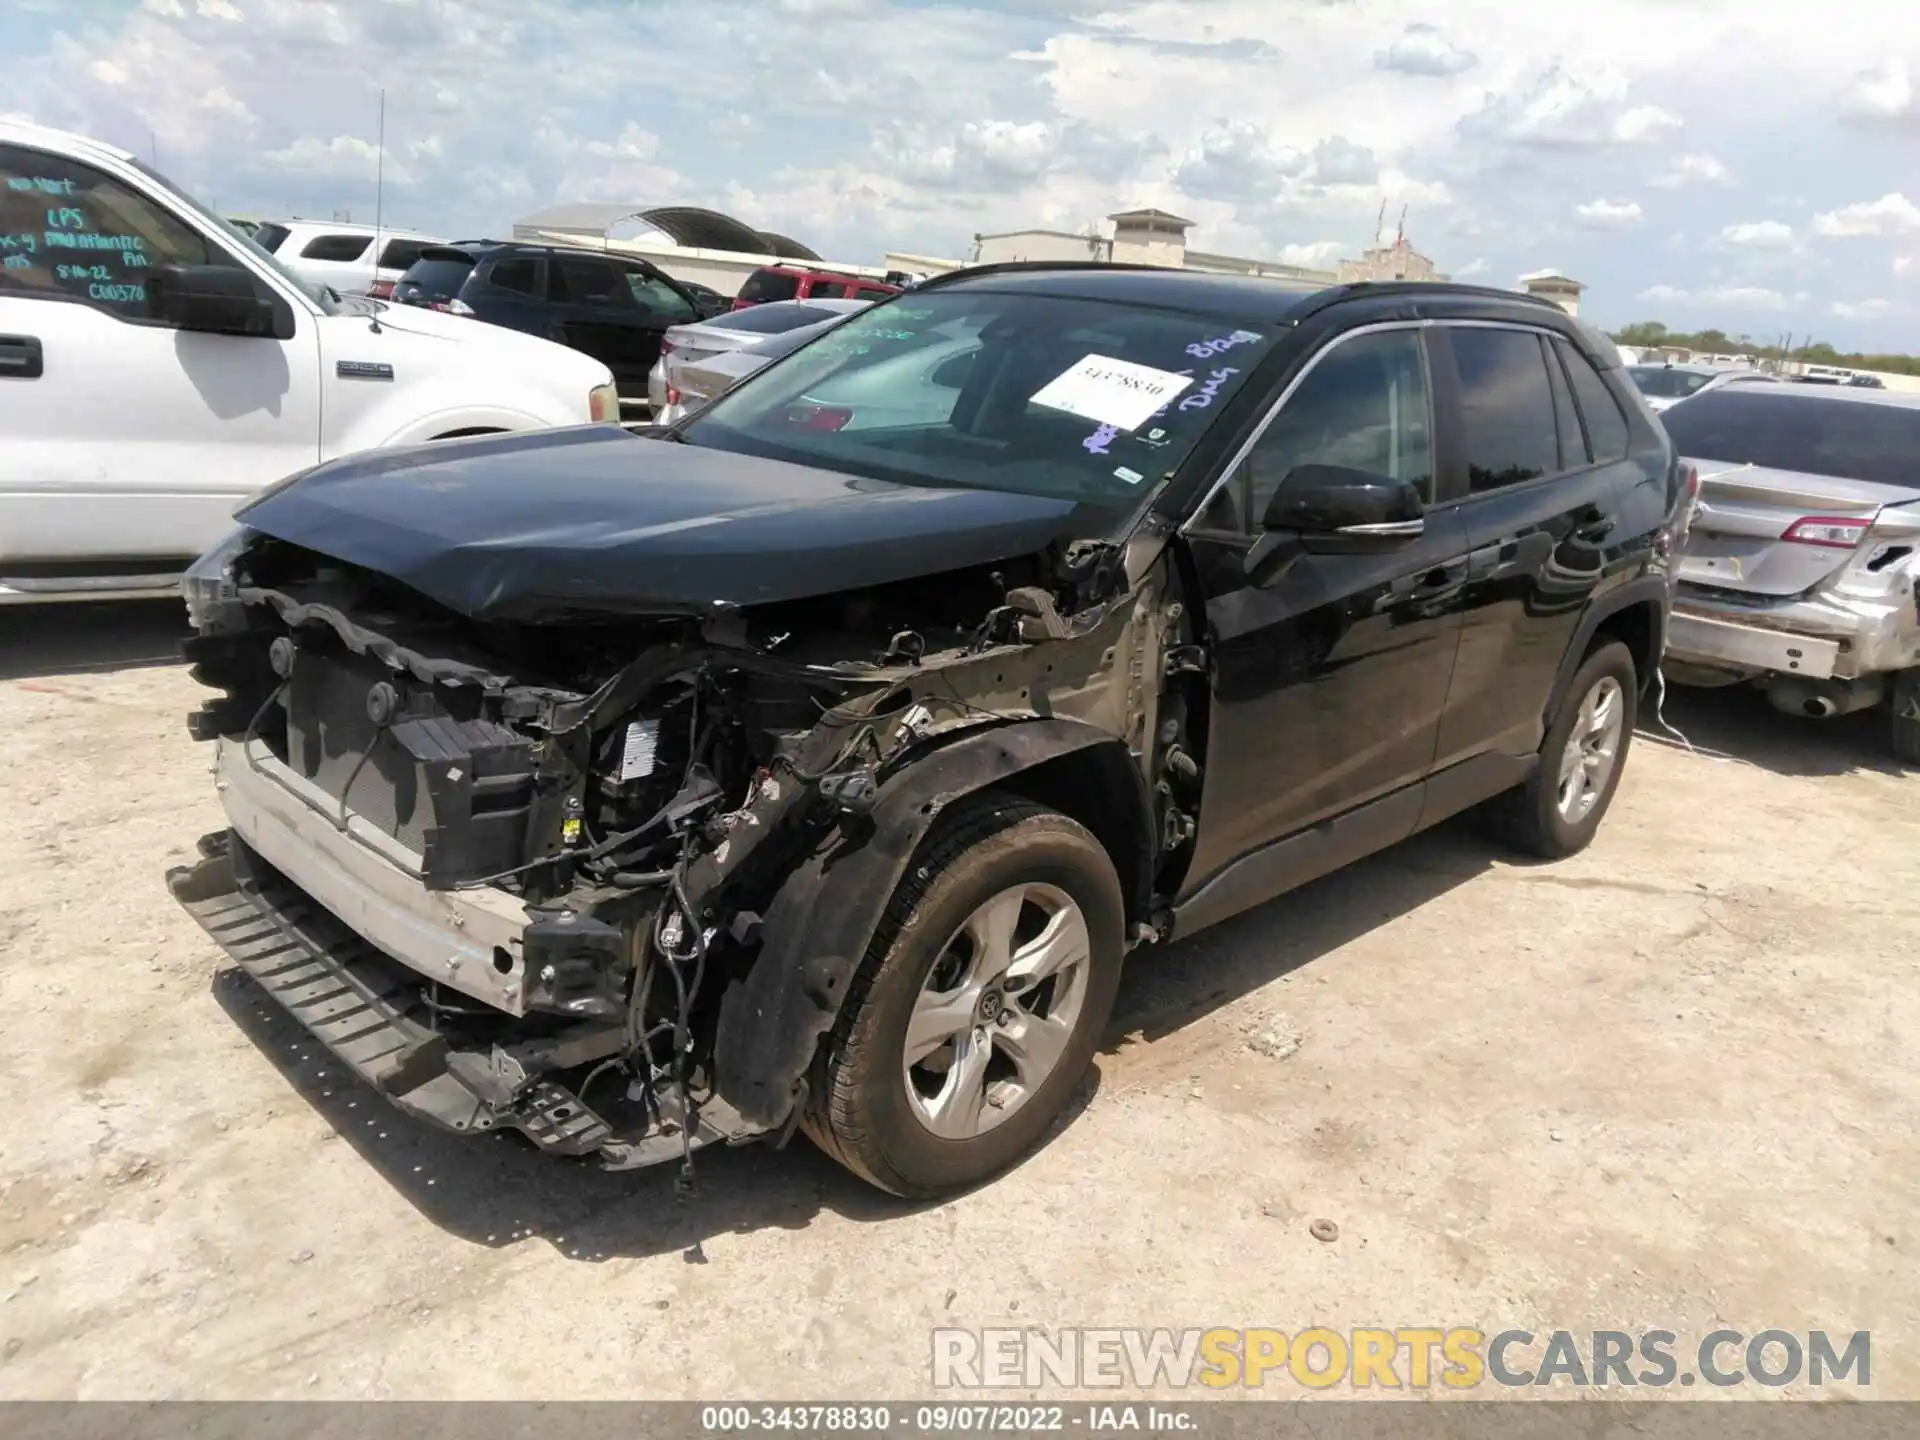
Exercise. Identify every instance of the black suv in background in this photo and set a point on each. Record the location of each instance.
(817, 763)
(612, 307)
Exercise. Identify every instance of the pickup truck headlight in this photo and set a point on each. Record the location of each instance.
(213, 600)
(603, 405)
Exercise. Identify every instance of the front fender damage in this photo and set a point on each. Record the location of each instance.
(716, 811)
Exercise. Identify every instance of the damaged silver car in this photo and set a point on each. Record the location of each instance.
(813, 765)
(1801, 574)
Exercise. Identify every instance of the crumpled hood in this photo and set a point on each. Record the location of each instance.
(593, 518)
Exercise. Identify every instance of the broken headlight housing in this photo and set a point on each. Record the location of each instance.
(213, 599)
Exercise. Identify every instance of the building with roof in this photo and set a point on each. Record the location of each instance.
(1140, 237)
(1159, 237)
(1398, 261)
(1552, 285)
(703, 246)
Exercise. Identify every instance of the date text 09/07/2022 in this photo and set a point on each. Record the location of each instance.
(971, 1419)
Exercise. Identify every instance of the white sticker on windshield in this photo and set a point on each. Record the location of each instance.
(1132, 477)
(1111, 392)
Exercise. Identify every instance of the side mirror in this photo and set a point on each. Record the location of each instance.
(1332, 510)
(212, 299)
(1337, 511)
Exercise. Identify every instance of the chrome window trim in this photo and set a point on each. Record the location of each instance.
(1378, 328)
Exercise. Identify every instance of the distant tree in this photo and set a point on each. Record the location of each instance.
(1645, 333)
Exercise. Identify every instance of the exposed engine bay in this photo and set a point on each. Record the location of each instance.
(698, 818)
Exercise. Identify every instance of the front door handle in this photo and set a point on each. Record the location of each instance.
(1430, 583)
(21, 357)
(1592, 524)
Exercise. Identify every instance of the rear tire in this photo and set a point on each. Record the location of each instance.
(1906, 717)
(1559, 810)
(999, 1054)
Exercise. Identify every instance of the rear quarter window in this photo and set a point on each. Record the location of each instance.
(440, 276)
(336, 247)
(765, 285)
(269, 236)
(399, 254)
(1816, 435)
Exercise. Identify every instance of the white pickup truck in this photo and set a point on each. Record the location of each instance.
(157, 368)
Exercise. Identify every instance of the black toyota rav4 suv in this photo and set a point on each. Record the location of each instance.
(815, 763)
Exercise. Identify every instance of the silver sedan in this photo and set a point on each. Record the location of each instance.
(686, 345)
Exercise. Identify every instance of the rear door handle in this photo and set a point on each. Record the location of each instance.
(21, 357)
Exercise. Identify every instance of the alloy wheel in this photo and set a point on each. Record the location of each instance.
(997, 1010)
(1593, 749)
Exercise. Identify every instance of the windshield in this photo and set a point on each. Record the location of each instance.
(319, 294)
(1664, 383)
(1041, 395)
(1816, 435)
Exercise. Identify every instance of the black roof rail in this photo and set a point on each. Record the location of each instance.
(1331, 294)
(1008, 267)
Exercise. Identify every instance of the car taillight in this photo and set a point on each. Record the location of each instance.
(1826, 531)
(819, 417)
(382, 290)
(673, 395)
(667, 346)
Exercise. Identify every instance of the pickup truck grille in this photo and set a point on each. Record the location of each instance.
(456, 790)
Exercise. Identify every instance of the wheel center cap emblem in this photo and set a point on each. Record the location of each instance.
(991, 1004)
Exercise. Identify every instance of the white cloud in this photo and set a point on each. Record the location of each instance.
(1716, 297)
(1493, 124)
(1861, 309)
(1742, 297)
(1906, 264)
(1758, 235)
(1685, 170)
(344, 157)
(1423, 50)
(1314, 256)
(1472, 268)
(1883, 94)
(632, 143)
(1609, 214)
(1563, 112)
(1891, 214)
(1646, 125)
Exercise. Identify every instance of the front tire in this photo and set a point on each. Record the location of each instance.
(979, 1004)
(1559, 810)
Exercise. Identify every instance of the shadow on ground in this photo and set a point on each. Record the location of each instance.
(1738, 723)
(79, 638)
(497, 1190)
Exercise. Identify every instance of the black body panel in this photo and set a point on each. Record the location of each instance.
(595, 519)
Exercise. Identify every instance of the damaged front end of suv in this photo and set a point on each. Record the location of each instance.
(605, 873)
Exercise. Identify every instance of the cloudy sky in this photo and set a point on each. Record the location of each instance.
(1750, 164)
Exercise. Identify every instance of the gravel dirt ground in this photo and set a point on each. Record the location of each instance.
(1670, 1083)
